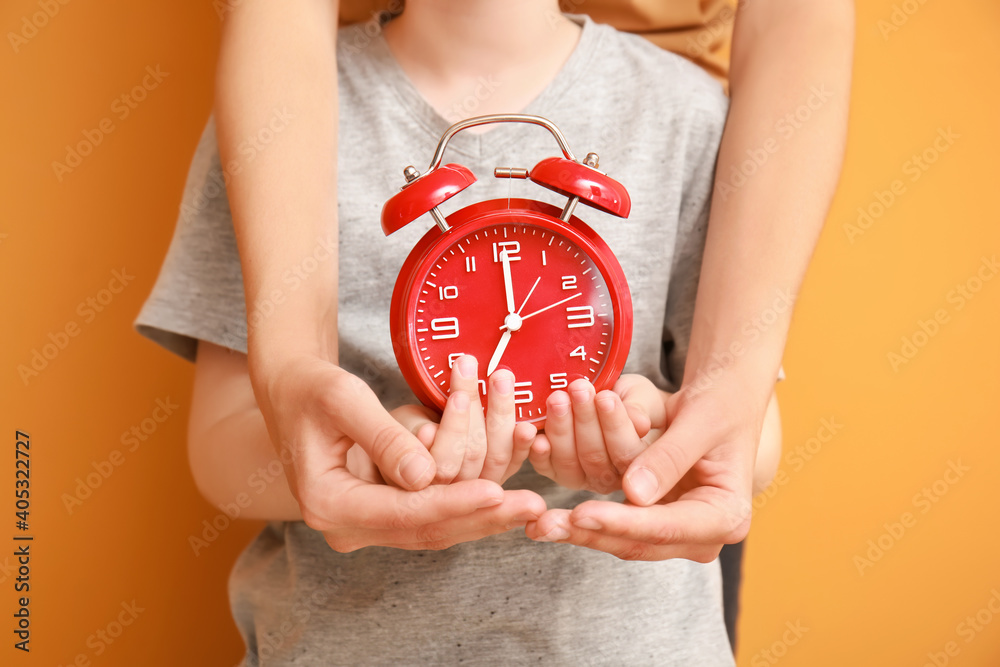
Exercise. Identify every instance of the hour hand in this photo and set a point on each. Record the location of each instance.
(498, 353)
(508, 287)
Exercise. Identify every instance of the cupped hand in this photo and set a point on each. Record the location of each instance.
(687, 494)
(591, 438)
(316, 412)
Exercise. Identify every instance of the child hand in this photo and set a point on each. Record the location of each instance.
(466, 444)
(591, 438)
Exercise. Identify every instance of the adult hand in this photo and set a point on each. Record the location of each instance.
(688, 493)
(316, 412)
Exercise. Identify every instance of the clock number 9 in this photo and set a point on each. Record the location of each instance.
(447, 325)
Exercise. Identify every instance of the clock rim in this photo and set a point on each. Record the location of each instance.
(483, 214)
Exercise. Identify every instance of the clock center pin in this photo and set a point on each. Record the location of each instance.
(512, 322)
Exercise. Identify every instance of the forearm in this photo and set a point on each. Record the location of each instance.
(230, 454)
(234, 463)
(775, 178)
(276, 112)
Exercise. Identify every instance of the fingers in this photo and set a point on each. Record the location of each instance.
(361, 466)
(499, 425)
(555, 526)
(643, 402)
(452, 437)
(540, 456)
(712, 519)
(517, 509)
(559, 432)
(391, 447)
(689, 529)
(590, 448)
(655, 472)
(340, 500)
(620, 436)
(524, 434)
(465, 377)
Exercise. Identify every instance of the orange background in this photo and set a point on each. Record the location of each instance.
(60, 241)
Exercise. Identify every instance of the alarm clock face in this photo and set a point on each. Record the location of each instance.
(567, 314)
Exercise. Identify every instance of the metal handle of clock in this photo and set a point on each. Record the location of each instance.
(499, 118)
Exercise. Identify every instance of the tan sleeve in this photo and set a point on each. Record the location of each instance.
(699, 30)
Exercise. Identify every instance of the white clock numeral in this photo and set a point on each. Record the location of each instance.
(569, 282)
(448, 325)
(482, 387)
(522, 394)
(579, 352)
(543, 258)
(470, 264)
(447, 292)
(558, 380)
(453, 357)
(512, 248)
(579, 316)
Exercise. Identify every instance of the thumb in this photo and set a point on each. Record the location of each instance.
(662, 465)
(398, 453)
(642, 402)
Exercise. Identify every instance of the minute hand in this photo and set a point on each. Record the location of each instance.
(557, 303)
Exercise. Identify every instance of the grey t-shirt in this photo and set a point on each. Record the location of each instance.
(656, 121)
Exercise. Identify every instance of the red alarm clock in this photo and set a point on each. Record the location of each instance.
(516, 283)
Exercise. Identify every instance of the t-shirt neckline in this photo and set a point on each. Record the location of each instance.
(487, 143)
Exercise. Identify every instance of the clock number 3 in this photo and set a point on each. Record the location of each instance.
(579, 316)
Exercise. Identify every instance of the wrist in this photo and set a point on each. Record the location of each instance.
(744, 388)
(287, 338)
